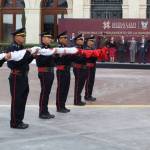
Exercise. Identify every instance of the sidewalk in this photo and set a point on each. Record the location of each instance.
(82, 129)
(118, 120)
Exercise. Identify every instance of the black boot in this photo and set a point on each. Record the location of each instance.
(90, 98)
(63, 110)
(46, 115)
(80, 103)
(20, 126)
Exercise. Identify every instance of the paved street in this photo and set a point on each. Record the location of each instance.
(81, 129)
(112, 86)
(115, 121)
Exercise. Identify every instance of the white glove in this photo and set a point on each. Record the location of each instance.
(35, 49)
(2, 56)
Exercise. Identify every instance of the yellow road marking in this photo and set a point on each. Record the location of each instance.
(111, 106)
(90, 106)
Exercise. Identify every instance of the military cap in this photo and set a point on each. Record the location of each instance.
(90, 38)
(78, 37)
(19, 32)
(46, 34)
(63, 34)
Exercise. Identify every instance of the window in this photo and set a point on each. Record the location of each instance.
(50, 10)
(54, 3)
(106, 9)
(148, 8)
(48, 3)
(8, 3)
(20, 3)
(13, 3)
(49, 21)
(62, 3)
(12, 17)
(7, 26)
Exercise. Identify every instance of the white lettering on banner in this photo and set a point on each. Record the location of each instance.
(123, 25)
(117, 33)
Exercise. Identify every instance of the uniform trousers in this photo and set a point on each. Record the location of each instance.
(46, 81)
(80, 78)
(19, 89)
(90, 81)
(63, 84)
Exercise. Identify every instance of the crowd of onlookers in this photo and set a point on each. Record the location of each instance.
(121, 49)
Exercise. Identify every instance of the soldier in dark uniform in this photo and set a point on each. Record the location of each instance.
(45, 66)
(79, 69)
(91, 69)
(18, 80)
(63, 63)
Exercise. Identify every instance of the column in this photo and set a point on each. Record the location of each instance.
(87, 9)
(70, 9)
(77, 8)
(125, 9)
(32, 12)
(142, 9)
(134, 10)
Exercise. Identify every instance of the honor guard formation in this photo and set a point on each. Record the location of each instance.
(82, 57)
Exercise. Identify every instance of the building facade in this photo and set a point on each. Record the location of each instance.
(43, 15)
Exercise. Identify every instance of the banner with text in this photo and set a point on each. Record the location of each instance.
(112, 27)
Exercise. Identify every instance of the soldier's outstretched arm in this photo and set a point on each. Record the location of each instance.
(17, 55)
